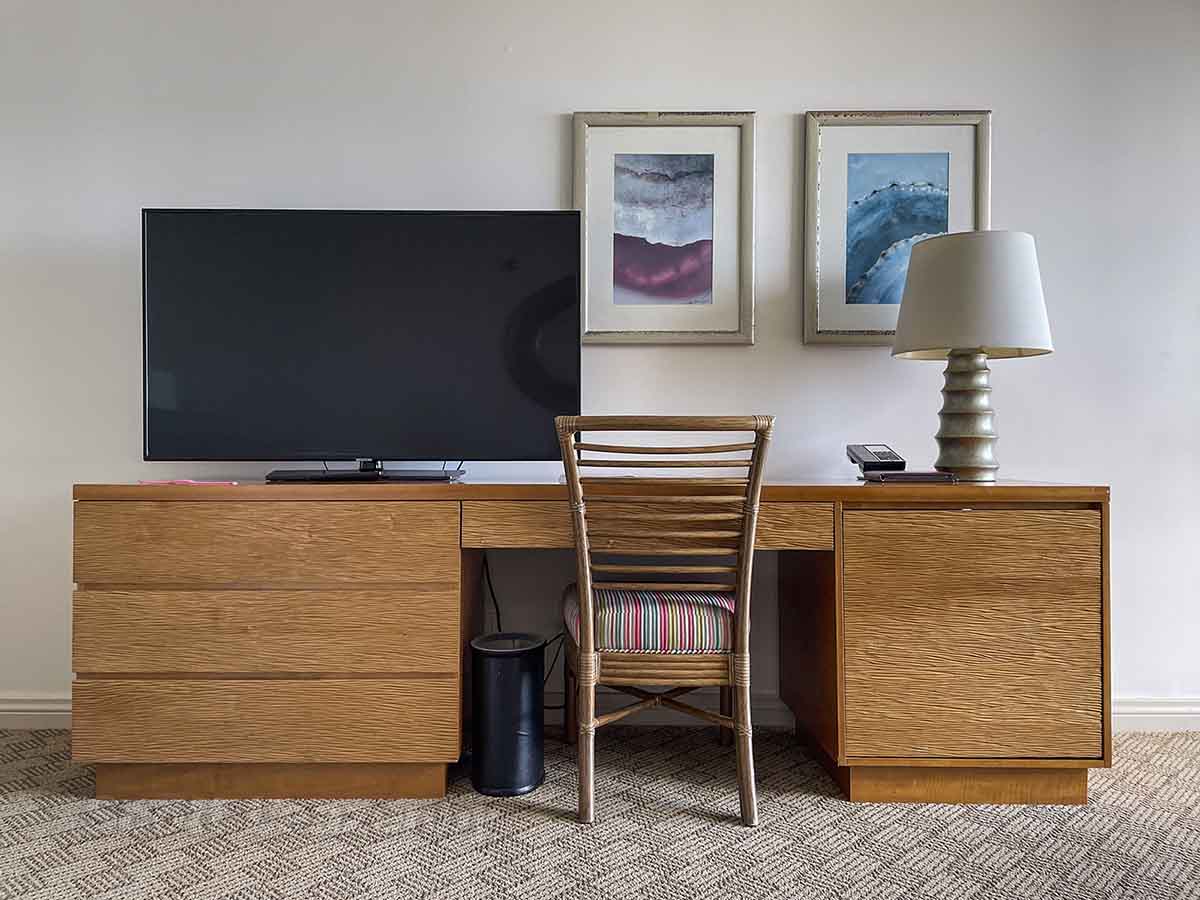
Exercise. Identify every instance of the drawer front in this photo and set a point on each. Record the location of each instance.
(500, 523)
(973, 633)
(515, 523)
(794, 526)
(269, 543)
(410, 628)
(273, 720)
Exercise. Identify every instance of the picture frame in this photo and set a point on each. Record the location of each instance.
(668, 255)
(863, 168)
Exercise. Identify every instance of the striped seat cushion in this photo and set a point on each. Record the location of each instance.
(657, 621)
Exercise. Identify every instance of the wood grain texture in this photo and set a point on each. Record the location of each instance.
(265, 544)
(973, 633)
(410, 628)
(839, 573)
(901, 784)
(808, 657)
(279, 781)
(547, 524)
(905, 783)
(471, 622)
(1107, 623)
(226, 720)
(795, 526)
(516, 523)
(827, 491)
(1010, 762)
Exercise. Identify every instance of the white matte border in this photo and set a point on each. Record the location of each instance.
(701, 323)
(602, 313)
(830, 137)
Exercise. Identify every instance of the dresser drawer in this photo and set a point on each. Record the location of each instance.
(270, 720)
(411, 628)
(267, 543)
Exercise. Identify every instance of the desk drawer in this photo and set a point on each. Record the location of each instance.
(267, 543)
(270, 720)
(515, 523)
(794, 526)
(410, 628)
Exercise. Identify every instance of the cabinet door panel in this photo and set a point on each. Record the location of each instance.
(973, 633)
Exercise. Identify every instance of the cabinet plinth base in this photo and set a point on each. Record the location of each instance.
(955, 783)
(961, 784)
(284, 781)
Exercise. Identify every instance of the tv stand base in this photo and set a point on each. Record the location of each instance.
(368, 476)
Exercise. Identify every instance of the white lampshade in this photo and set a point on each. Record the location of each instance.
(973, 290)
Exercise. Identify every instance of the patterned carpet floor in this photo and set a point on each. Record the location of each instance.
(666, 828)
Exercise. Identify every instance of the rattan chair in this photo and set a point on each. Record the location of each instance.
(664, 564)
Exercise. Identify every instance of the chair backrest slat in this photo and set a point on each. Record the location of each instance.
(668, 532)
(627, 448)
(668, 463)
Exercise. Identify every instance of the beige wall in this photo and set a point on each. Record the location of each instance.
(108, 107)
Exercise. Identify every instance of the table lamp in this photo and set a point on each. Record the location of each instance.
(970, 296)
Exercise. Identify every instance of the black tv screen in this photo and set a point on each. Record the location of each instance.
(340, 335)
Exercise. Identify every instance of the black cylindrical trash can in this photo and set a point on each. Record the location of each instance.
(507, 671)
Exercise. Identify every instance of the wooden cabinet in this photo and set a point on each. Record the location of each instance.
(973, 633)
(219, 634)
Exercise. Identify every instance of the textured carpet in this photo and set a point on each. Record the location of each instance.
(666, 807)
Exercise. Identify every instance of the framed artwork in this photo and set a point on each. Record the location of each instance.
(668, 226)
(876, 183)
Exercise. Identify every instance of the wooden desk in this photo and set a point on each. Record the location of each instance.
(937, 642)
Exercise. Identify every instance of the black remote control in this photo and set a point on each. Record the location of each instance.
(875, 457)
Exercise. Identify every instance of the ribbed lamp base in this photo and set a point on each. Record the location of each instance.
(966, 437)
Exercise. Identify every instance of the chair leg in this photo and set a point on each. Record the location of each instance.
(586, 714)
(570, 704)
(745, 756)
(725, 735)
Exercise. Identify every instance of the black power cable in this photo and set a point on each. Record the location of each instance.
(487, 576)
(561, 638)
(558, 639)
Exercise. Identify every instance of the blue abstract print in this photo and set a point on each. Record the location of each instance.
(893, 201)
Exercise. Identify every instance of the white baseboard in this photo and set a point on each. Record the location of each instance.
(1151, 714)
(1134, 714)
(27, 713)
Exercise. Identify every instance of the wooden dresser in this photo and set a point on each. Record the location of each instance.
(937, 642)
(278, 634)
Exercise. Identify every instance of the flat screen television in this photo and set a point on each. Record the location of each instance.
(358, 335)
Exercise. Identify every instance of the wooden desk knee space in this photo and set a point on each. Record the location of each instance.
(937, 643)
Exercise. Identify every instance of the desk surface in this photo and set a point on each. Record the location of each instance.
(776, 491)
